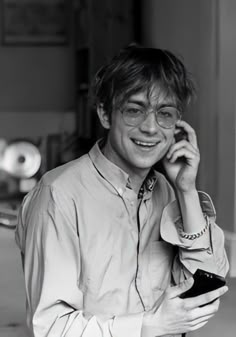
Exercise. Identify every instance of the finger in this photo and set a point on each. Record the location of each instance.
(207, 298)
(211, 296)
(202, 319)
(179, 289)
(182, 144)
(191, 134)
(201, 315)
(198, 325)
(198, 322)
(205, 311)
(186, 153)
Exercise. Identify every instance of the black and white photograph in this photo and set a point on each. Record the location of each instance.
(117, 168)
(35, 22)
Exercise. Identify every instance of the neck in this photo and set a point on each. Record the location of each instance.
(136, 182)
(136, 176)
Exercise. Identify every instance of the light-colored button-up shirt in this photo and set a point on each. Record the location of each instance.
(93, 263)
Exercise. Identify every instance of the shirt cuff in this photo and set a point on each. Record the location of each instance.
(127, 326)
(170, 223)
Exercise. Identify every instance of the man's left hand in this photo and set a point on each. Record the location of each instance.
(182, 159)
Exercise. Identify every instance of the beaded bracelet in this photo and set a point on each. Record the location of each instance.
(195, 235)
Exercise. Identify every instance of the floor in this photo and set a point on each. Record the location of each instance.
(12, 303)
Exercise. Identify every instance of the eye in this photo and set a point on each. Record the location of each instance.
(167, 113)
(133, 111)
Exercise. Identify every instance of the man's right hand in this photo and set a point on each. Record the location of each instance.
(176, 315)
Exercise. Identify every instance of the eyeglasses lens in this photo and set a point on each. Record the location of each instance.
(165, 117)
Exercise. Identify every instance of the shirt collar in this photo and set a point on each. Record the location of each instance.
(115, 175)
(110, 172)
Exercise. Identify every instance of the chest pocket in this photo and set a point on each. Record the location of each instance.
(160, 264)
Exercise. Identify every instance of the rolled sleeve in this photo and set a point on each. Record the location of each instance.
(171, 218)
(206, 251)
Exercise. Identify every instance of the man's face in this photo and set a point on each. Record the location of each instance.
(135, 149)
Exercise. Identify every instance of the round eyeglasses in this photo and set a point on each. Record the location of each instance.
(166, 117)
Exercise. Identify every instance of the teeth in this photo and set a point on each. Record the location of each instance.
(144, 143)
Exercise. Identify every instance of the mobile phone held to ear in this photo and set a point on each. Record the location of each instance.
(204, 282)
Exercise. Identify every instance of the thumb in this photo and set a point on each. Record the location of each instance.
(182, 287)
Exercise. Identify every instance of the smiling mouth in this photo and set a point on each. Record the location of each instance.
(147, 145)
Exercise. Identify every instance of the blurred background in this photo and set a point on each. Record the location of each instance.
(49, 52)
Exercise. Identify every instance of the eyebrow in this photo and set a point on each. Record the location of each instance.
(145, 104)
(138, 102)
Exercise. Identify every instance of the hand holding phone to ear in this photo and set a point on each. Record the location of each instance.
(182, 159)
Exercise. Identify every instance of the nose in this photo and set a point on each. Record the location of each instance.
(149, 125)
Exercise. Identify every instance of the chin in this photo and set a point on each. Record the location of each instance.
(146, 165)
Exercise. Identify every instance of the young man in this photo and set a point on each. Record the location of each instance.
(108, 244)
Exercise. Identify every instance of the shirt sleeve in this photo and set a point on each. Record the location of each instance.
(206, 252)
(49, 242)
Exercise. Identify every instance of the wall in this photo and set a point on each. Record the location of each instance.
(203, 32)
(36, 90)
(227, 113)
(186, 29)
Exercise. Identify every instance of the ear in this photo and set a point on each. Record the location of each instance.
(103, 116)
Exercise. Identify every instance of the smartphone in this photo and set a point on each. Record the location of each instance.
(204, 282)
